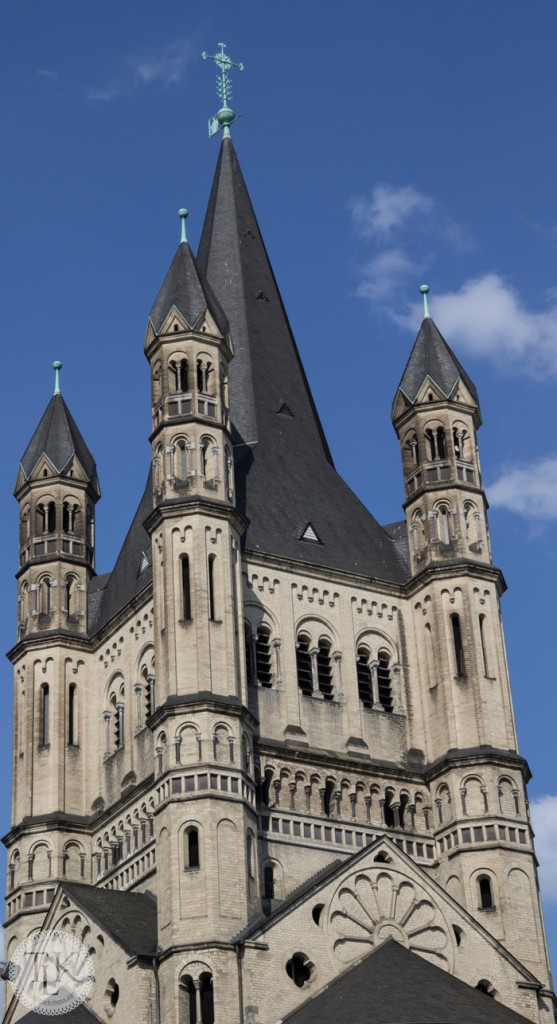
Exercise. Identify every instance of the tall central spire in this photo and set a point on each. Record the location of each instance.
(284, 471)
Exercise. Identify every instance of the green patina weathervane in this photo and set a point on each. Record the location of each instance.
(225, 116)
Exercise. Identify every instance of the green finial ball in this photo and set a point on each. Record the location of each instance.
(57, 365)
(183, 213)
(225, 117)
(424, 289)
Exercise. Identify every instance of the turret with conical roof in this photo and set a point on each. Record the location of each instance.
(57, 488)
(436, 414)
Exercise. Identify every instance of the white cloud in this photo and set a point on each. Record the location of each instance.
(389, 208)
(45, 73)
(544, 820)
(165, 67)
(392, 209)
(382, 275)
(487, 318)
(530, 491)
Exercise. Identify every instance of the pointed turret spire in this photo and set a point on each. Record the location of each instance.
(284, 471)
(431, 358)
(59, 439)
(185, 290)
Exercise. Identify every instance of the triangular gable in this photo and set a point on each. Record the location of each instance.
(377, 894)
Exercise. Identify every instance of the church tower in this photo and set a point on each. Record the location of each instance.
(268, 763)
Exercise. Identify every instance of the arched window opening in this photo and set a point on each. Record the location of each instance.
(69, 517)
(461, 442)
(211, 573)
(303, 666)
(404, 801)
(325, 669)
(72, 715)
(486, 987)
(45, 596)
(263, 656)
(457, 645)
(384, 682)
(444, 532)
(44, 734)
(204, 377)
(181, 460)
(299, 969)
(435, 444)
(186, 595)
(70, 595)
(330, 787)
(485, 893)
(191, 848)
(207, 1004)
(181, 375)
(484, 649)
(411, 452)
(269, 882)
(365, 691)
(187, 1001)
(388, 809)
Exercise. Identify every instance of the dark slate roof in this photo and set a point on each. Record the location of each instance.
(126, 580)
(184, 288)
(82, 1014)
(285, 477)
(432, 357)
(394, 986)
(129, 917)
(57, 436)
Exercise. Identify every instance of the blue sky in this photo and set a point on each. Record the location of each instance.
(383, 145)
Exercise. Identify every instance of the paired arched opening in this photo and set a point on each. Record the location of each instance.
(196, 999)
(314, 667)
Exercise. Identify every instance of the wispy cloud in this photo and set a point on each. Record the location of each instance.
(531, 491)
(45, 73)
(544, 820)
(380, 277)
(164, 67)
(388, 208)
(487, 318)
(397, 222)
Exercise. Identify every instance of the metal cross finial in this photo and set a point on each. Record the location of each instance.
(424, 289)
(225, 116)
(57, 366)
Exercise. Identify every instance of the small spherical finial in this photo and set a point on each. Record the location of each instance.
(57, 366)
(183, 214)
(424, 290)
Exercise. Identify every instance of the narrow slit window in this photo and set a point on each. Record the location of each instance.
(192, 848)
(384, 682)
(45, 702)
(484, 650)
(186, 594)
(211, 573)
(72, 719)
(457, 644)
(486, 893)
(269, 882)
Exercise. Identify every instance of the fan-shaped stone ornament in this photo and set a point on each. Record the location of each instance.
(380, 903)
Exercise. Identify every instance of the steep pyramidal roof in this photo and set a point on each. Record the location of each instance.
(58, 437)
(431, 357)
(184, 289)
(285, 478)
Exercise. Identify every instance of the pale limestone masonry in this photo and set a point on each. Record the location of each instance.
(216, 724)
